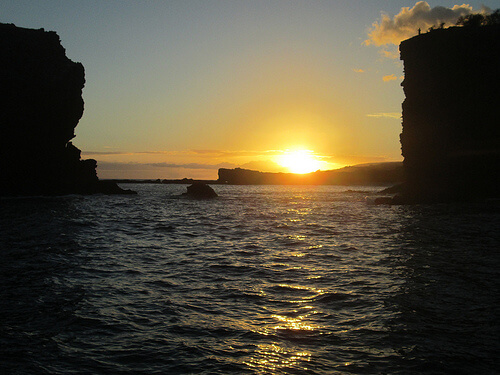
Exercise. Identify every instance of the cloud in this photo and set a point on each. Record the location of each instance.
(408, 21)
(89, 153)
(192, 165)
(134, 166)
(137, 170)
(358, 70)
(199, 153)
(221, 153)
(261, 165)
(390, 77)
(390, 53)
(357, 159)
(123, 170)
(385, 115)
(104, 153)
(242, 153)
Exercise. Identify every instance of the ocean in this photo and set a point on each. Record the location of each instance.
(261, 280)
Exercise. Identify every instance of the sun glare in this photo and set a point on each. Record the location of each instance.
(299, 161)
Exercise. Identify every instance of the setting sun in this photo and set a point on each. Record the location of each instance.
(299, 161)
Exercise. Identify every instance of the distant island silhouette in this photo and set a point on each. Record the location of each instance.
(363, 174)
(40, 106)
(451, 124)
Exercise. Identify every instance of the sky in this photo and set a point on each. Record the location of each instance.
(179, 89)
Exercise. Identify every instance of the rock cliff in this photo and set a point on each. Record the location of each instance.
(451, 139)
(40, 106)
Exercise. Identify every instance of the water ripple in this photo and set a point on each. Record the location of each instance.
(264, 279)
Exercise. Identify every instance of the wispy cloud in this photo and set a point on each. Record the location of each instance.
(390, 53)
(134, 166)
(390, 77)
(356, 159)
(192, 165)
(385, 115)
(90, 153)
(199, 153)
(103, 153)
(392, 30)
(137, 170)
(358, 70)
(230, 153)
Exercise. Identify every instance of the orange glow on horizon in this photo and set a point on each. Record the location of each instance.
(300, 161)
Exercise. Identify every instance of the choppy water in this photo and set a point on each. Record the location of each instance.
(263, 279)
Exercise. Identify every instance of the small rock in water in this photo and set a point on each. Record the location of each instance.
(200, 190)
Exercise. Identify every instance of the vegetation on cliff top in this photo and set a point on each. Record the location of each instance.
(479, 19)
(473, 20)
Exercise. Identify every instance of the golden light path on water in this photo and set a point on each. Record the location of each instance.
(273, 357)
(262, 280)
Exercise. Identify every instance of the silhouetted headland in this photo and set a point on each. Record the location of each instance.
(376, 174)
(40, 106)
(199, 190)
(451, 125)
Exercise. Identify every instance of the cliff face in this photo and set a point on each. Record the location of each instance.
(40, 106)
(450, 139)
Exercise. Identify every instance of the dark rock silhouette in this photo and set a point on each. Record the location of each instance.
(363, 174)
(199, 190)
(40, 106)
(451, 131)
(109, 187)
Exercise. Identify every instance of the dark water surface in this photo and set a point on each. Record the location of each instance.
(263, 279)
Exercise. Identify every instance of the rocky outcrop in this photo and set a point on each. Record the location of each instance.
(451, 125)
(40, 106)
(199, 190)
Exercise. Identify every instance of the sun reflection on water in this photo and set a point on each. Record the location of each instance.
(290, 326)
(295, 324)
(270, 358)
(297, 237)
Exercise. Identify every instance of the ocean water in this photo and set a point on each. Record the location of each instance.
(262, 280)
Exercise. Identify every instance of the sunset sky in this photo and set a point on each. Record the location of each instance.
(181, 88)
